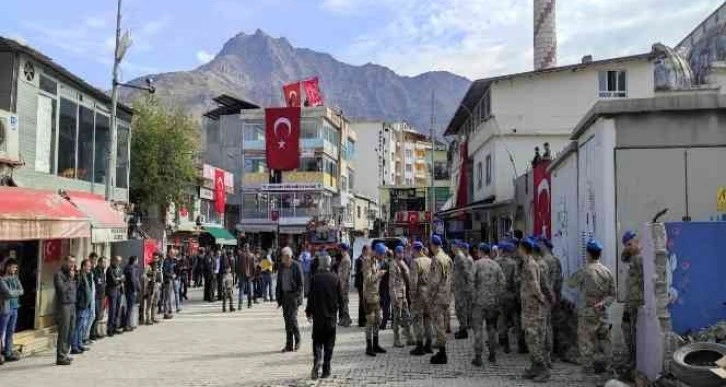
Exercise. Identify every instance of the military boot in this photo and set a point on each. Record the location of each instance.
(369, 348)
(440, 357)
(542, 375)
(427, 346)
(477, 361)
(461, 334)
(377, 348)
(419, 350)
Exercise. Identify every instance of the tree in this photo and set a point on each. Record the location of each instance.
(164, 149)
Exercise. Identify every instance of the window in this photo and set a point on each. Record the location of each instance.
(122, 157)
(45, 134)
(612, 84)
(67, 138)
(358, 209)
(409, 182)
(351, 179)
(409, 154)
(441, 170)
(310, 164)
(254, 131)
(489, 169)
(101, 148)
(255, 165)
(350, 149)
(85, 143)
(478, 175)
(309, 128)
(331, 167)
(344, 183)
(48, 85)
(409, 168)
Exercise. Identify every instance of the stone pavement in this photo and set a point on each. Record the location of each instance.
(204, 347)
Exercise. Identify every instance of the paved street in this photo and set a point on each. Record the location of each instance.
(204, 347)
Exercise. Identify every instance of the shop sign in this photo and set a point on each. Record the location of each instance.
(292, 187)
(205, 193)
(103, 235)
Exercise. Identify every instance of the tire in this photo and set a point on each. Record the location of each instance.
(698, 375)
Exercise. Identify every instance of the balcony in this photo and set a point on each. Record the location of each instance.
(255, 179)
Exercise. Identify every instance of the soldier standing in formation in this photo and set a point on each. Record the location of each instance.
(634, 296)
(554, 278)
(534, 306)
(546, 285)
(421, 308)
(488, 284)
(597, 292)
(462, 288)
(510, 318)
(344, 278)
(440, 289)
(398, 277)
(372, 274)
(153, 290)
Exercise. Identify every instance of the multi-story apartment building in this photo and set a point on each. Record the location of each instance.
(54, 131)
(270, 212)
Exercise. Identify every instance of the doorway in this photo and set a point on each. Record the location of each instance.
(26, 253)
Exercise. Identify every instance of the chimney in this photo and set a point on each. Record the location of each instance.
(587, 59)
(545, 34)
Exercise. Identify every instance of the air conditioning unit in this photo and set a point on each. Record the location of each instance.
(9, 137)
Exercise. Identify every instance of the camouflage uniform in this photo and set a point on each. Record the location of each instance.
(421, 307)
(597, 286)
(440, 288)
(488, 283)
(462, 289)
(153, 291)
(371, 282)
(554, 269)
(397, 282)
(344, 277)
(545, 284)
(509, 317)
(633, 301)
(533, 312)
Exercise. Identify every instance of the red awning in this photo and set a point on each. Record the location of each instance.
(28, 214)
(95, 207)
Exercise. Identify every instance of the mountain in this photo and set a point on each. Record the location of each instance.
(254, 67)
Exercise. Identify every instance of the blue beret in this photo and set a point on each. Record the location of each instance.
(529, 242)
(508, 247)
(436, 240)
(514, 241)
(344, 246)
(418, 245)
(484, 247)
(628, 236)
(380, 248)
(399, 249)
(594, 246)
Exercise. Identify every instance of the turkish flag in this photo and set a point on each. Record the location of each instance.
(52, 250)
(149, 249)
(282, 138)
(219, 195)
(542, 206)
(413, 217)
(312, 90)
(292, 94)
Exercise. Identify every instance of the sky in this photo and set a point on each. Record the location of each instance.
(473, 38)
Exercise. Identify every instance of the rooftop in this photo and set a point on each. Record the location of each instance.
(229, 105)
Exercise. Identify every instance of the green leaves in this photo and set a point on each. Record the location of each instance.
(165, 145)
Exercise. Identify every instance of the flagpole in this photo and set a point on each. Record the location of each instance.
(433, 176)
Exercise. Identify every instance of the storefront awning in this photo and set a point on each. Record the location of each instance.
(221, 236)
(29, 214)
(107, 224)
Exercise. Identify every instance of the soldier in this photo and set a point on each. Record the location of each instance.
(372, 274)
(398, 280)
(597, 289)
(546, 284)
(440, 287)
(344, 278)
(634, 295)
(488, 282)
(509, 299)
(462, 288)
(519, 262)
(534, 304)
(153, 290)
(421, 308)
(554, 274)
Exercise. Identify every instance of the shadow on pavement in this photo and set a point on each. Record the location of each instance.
(230, 355)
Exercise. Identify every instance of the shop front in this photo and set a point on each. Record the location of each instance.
(107, 224)
(37, 228)
(217, 236)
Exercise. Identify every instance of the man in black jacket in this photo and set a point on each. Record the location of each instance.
(289, 297)
(114, 283)
(99, 278)
(65, 294)
(323, 303)
(133, 287)
(359, 286)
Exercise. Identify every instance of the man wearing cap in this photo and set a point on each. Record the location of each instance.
(534, 304)
(344, 278)
(440, 288)
(421, 307)
(488, 282)
(398, 274)
(597, 291)
(634, 292)
(289, 295)
(462, 287)
(510, 316)
(372, 274)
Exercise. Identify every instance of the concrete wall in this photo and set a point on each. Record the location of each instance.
(368, 173)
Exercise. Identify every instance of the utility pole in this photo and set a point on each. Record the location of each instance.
(433, 176)
(113, 138)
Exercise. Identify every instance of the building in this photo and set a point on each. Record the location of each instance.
(365, 215)
(271, 212)
(501, 120)
(376, 150)
(54, 130)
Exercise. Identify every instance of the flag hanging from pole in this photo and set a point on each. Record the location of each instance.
(282, 138)
(312, 91)
(292, 94)
(219, 195)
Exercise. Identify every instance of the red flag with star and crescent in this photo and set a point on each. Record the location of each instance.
(292, 94)
(220, 197)
(282, 138)
(312, 91)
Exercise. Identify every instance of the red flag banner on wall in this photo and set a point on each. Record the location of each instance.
(312, 91)
(282, 138)
(541, 205)
(292, 94)
(149, 250)
(219, 195)
(52, 250)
